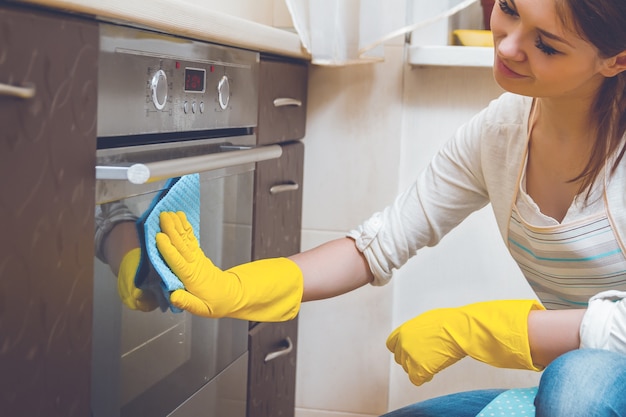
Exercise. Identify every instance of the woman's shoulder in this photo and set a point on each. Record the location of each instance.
(501, 129)
(509, 108)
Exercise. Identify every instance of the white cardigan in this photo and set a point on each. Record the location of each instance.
(481, 164)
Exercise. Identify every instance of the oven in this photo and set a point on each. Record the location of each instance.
(168, 107)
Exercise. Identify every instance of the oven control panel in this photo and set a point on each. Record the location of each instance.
(154, 83)
(195, 90)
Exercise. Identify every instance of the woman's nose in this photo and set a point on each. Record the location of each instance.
(510, 46)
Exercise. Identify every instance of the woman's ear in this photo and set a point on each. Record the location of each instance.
(615, 65)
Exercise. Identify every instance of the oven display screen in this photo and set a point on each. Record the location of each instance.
(195, 80)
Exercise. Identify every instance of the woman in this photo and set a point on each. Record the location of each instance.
(547, 155)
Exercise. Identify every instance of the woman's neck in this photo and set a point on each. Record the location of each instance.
(561, 140)
(565, 120)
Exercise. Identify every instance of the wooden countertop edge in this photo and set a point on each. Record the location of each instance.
(191, 21)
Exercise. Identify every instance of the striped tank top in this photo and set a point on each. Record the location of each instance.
(566, 263)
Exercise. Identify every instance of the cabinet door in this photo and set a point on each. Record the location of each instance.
(272, 369)
(282, 101)
(277, 216)
(276, 232)
(47, 160)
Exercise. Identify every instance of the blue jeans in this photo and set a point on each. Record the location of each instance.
(581, 383)
(462, 404)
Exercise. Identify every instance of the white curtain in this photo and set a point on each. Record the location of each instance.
(343, 32)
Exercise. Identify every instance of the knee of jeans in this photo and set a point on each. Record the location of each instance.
(582, 383)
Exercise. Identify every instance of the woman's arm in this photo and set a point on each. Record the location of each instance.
(121, 250)
(119, 241)
(517, 334)
(331, 269)
(551, 333)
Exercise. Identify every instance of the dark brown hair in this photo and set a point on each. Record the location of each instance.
(603, 24)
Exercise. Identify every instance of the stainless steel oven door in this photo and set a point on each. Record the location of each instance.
(175, 364)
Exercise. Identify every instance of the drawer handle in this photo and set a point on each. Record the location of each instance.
(280, 352)
(27, 91)
(281, 188)
(283, 102)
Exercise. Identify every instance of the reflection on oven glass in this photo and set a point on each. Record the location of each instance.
(150, 363)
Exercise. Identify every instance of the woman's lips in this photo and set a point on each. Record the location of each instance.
(506, 71)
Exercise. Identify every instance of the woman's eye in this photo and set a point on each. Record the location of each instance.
(504, 6)
(548, 50)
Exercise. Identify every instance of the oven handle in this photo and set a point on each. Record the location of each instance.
(155, 171)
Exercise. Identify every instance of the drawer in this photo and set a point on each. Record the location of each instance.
(282, 101)
(272, 369)
(277, 215)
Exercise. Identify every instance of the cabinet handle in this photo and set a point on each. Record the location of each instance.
(281, 188)
(27, 91)
(285, 101)
(280, 352)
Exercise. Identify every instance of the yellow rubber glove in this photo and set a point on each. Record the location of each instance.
(265, 290)
(132, 296)
(494, 332)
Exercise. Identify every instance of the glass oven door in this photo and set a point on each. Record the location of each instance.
(175, 364)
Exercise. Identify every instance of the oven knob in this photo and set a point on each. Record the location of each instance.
(223, 92)
(158, 89)
(202, 107)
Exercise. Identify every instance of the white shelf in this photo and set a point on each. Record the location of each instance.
(451, 56)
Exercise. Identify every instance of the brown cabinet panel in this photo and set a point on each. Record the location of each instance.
(47, 160)
(282, 101)
(276, 232)
(277, 214)
(272, 369)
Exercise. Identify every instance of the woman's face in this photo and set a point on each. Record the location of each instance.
(535, 55)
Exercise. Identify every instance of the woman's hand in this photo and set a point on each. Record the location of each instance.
(493, 332)
(122, 252)
(265, 290)
(133, 297)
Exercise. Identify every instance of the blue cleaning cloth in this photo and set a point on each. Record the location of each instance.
(180, 194)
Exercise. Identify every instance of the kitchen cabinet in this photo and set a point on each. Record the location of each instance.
(48, 78)
(282, 100)
(277, 223)
(276, 232)
(278, 204)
